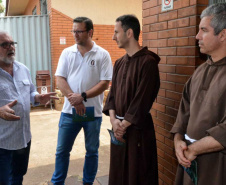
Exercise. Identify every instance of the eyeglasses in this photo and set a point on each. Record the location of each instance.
(78, 32)
(7, 45)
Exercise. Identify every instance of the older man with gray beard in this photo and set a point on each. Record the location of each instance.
(17, 92)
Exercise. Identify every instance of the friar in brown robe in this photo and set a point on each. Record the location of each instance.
(200, 127)
(135, 85)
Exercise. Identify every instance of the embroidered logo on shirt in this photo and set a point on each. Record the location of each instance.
(92, 63)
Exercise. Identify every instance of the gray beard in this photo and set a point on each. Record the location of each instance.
(7, 60)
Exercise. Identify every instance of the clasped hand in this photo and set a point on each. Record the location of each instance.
(184, 153)
(119, 128)
(75, 99)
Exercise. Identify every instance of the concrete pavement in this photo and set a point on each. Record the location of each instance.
(44, 128)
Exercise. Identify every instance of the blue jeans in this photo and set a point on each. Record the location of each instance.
(13, 165)
(68, 131)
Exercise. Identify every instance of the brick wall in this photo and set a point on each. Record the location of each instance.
(61, 25)
(171, 35)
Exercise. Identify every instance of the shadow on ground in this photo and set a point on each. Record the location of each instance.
(41, 175)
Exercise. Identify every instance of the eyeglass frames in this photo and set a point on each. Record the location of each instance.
(78, 32)
(7, 45)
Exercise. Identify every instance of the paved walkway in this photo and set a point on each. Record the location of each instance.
(44, 128)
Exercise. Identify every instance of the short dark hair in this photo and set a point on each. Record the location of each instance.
(130, 21)
(88, 22)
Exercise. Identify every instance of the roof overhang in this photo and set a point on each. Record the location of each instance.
(15, 7)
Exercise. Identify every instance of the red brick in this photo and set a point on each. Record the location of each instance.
(168, 16)
(185, 70)
(186, 51)
(177, 60)
(166, 164)
(169, 126)
(159, 107)
(145, 43)
(194, 20)
(169, 143)
(178, 42)
(177, 104)
(165, 118)
(167, 85)
(167, 51)
(162, 92)
(179, 88)
(200, 9)
(202, 2)
(160, 153)
(173, 95)
(167, 34)
(145, 13)
(160, 167)
(169, 174)
(150, 35)
(150, 19)
(153, 3)
(165, 101)
(178, 23)
(189, 11)
(166, 180)
(163, 60)
(154, 11)
(160, 137)
(189, 31)
(180, 4)
(158, 43)
(164, 132)
(166, 68)
(192, 60)
(158, 122)
(153, 112)
(162, 76)
(145, 28)
(146, 5)
(171, 111)
(158, 26)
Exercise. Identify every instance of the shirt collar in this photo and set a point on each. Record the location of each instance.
(94, 48)
(16, 65)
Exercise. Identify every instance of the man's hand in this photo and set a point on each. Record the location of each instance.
(180, 148)
(124, 124)
(80, 109)
(190, 154)
(44, 99)
(118, 130)
(75, 99)
(7, 113)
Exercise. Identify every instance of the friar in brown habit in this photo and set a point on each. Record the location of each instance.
(200, 127)
(135, 85)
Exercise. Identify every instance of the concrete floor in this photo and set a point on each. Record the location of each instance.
(44, 128)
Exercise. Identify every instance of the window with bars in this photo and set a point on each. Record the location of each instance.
(216, 1)
(34, 11)
(43, 7)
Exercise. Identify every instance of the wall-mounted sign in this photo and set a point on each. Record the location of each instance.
(62, 40)
(167, 5)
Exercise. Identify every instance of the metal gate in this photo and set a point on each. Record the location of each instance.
(216, 1)
(33, 41)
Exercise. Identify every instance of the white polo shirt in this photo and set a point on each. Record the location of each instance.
(83, 73)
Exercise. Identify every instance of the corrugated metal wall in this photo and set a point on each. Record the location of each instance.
(33, 41)
(216, 1)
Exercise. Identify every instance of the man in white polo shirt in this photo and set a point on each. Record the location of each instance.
(83, 73)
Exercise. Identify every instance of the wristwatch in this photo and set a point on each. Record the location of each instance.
(84, 96)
